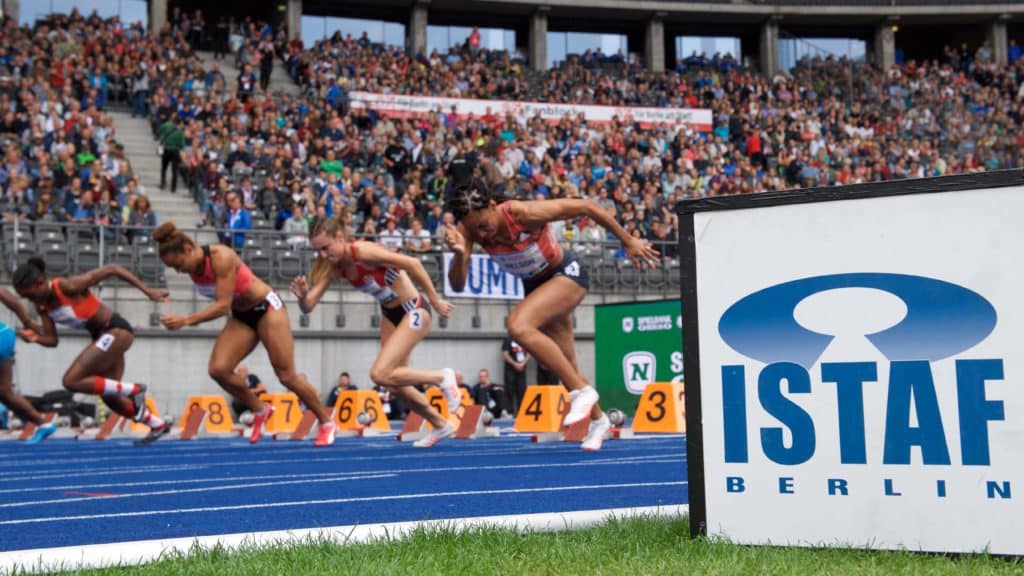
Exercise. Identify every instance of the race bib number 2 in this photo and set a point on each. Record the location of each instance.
(416, 319)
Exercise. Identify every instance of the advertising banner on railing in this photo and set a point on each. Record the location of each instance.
(486, 280)
(402, 106)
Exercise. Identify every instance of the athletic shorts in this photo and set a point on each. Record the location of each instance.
(116, 321)
(570, 267)
(395, 315)
(252, 316)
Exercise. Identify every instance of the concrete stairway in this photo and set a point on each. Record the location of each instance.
(180, 208)
(140, 147)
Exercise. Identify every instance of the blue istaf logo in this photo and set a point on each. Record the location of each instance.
(942, 319)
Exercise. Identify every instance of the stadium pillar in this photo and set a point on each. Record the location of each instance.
(157, 15)
(885, 45)
(293, 19)
(654, 43)
(539, 39)
(12, 9)
(417, 37)
(997, 38)
(769, 47)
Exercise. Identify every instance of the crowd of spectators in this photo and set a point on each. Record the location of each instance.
(256, 158)
(293, 160)
(61, 160)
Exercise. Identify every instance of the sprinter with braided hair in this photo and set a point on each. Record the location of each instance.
(518, 237)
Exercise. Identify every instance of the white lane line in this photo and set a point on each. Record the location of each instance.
(336, 478)
(109, 472)
(395, 471)
(178, 482)
(30, 459)
(340, 458)
(265, 505)
(140, 552)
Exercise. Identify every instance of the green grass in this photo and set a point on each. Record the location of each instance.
(620, 548)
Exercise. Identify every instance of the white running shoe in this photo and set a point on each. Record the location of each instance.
(450, 389)
(595, 434)
(581, 404)
(435, 436)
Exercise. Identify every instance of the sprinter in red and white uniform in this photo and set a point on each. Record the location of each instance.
(517, 236)
(388, 277)
(99, 368)
(256, 315)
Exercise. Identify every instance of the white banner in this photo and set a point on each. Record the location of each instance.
(486, 279)
(401, 106)
(858, 372)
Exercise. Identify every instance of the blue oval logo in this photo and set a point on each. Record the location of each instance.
(942, 319)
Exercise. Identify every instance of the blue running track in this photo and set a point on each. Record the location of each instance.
(71, 493)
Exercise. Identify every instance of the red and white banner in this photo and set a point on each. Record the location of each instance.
(401, 106)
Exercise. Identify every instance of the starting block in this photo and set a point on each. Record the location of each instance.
(197, 425)
(415, 427)
(103, 432)
(30, 428)
(216, 417)
(472, 424)
(115, 426)
(302, 428)
(574, 433)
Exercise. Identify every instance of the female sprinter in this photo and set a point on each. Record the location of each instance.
(97, 369)
(517, 236)
(385, 275)
(16, 402)
(256, 315)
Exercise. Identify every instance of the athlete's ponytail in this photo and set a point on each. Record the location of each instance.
(321, 268)
(29, 273)
(170, 239)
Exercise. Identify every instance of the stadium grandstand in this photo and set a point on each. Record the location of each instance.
(81, 128)
(249, 123)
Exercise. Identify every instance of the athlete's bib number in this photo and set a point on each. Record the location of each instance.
(105, 342)
(275, 301)
(416, 319)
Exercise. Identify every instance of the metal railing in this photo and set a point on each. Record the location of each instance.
(70, 248)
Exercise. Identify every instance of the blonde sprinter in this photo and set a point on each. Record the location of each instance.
(388, 277)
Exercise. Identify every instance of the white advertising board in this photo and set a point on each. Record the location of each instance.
(859, 366)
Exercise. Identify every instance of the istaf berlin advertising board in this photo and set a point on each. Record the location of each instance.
(853, 365)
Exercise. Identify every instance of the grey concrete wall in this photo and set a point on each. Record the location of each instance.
(12, 9)
(157, 15)
(417, 33)
(538, 55)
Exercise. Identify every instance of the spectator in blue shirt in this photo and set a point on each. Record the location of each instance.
(1014, 52)
(238, 219)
